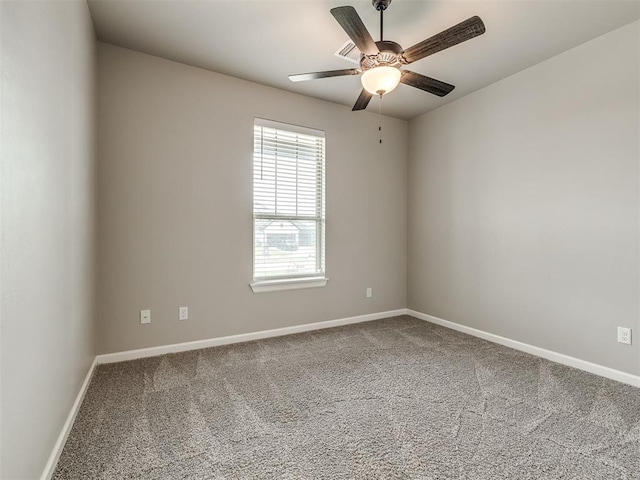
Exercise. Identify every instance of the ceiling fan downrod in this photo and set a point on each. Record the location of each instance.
(381, 6)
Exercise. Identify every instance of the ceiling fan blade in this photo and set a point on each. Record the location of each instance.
(362, 101)
(470, 28)
(301, 77)
(351, 22)
(427, 84)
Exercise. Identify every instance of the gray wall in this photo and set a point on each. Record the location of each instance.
(524, 204)
(175, 205)
(47, 223)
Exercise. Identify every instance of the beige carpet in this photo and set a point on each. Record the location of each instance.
(391, 399)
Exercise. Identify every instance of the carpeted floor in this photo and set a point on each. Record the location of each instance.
(390, 399)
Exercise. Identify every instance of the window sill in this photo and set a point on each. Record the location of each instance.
(288, 284)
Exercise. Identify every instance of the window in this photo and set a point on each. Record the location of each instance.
(288, 206)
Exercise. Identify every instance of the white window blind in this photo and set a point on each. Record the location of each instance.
(288, 201)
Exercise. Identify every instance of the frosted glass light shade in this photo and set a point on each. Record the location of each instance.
(380, 79)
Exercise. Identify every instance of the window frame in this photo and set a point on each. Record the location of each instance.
(306, 280)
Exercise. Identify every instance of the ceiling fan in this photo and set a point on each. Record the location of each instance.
(381, 62)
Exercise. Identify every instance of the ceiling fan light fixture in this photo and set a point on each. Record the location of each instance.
(381, 80)
(380, 61)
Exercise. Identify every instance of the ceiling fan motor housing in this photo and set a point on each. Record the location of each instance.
(388, 56)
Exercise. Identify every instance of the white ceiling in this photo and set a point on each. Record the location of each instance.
(266, 40)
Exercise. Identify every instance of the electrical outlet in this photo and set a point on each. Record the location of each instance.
(369, 292)
(145, 316)
(183, 313)
(624, 335)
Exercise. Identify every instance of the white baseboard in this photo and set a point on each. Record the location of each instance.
(66, 428)
(243, 337)
(540, 352)
(247, 337)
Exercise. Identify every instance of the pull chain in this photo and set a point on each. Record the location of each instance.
(380, 117)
